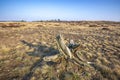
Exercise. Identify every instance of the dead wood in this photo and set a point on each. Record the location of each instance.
(69, 51)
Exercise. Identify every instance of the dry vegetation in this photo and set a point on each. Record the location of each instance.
(23, 46)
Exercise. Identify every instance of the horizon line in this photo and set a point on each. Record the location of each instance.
(54, 20)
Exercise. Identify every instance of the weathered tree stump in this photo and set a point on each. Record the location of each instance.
(69, 51)
(62, 47)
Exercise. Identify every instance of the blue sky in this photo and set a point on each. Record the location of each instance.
(60, 9)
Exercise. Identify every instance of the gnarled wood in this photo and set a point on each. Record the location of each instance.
(69, 51)
(62, 47)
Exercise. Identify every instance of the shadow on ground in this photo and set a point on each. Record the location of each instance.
(41, 51)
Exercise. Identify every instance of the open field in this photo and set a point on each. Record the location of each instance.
(22, 45)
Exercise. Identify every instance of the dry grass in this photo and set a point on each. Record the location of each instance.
(15, 25)
(24, 44)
